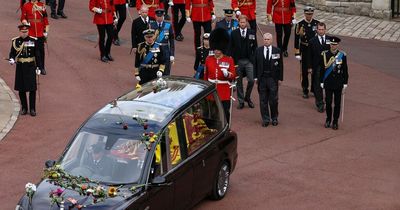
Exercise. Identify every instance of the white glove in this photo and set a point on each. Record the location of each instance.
(138, 78)
(171, 3)
(344, 86)
(115, 21)
(172, 58)
(213, 17)
(98, 10)
(188, 20)
(322, 85)
(45, 34)
(224, 71)
(294, 21)
(11, 61)
(127, 5)
(238, 13)
(38, 71)
(298, 57)
(159, 73)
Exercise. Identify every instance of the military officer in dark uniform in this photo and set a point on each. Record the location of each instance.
(228, 23)
(25, 53)
(202, 53)
(150, 61)
(165, 38)
(304, 31)
(334, 78)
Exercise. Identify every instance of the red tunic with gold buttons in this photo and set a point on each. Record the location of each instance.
(36, 15)
(213, 73)
(153, 5)
(282, 10)
(107, 15)
(199, 10)
(246, 7)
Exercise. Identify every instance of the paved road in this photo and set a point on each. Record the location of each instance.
(296, 165)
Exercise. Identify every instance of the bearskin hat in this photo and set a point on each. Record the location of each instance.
(219, 39)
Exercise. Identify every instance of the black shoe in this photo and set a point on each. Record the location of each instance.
(335, 126)
(116, 42)
(328, 124)
(240, 106)
(265, 124)
(109, 57)
(285, 53)
(43, 72)
(250, 103)
(62, 15)
(23, 111)
(320, 108)
(104, 59)
(54, 16)
(305, 95)
(179, 38)
(275, 122)
(33, 112)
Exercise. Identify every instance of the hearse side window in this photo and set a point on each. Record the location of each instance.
(165, 159)
(202, 122)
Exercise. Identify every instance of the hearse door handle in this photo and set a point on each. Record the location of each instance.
(203, 163)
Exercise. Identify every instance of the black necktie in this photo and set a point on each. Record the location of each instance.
(159, 26)
(243, 34)
(322, 40)
(267, 55)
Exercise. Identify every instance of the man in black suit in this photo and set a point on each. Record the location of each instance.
(243, 44)
(139, 25)
(100, 164)
(318, 44)
(268, 72)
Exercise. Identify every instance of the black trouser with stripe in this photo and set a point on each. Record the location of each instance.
(197, 31)
(280, 29)
(178, 23)
(32, 100)
(337, 96)
(105, 49)
(120, 9)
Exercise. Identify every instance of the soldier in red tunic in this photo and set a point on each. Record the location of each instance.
(104, 18)
(283, 13)
(34, 14)
(201, 12)
(152, 5)
(220, 69)
(248, 8)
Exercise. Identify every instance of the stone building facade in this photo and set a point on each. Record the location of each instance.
(374, 8)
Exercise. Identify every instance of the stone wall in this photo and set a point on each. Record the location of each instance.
(373, 8)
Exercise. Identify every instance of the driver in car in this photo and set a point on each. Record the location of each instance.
(100, 163)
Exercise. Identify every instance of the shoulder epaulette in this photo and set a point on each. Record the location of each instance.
(200, 47)
(33, 37)
(14, 38)
(323, 52)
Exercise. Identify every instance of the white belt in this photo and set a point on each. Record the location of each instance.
(219, 81)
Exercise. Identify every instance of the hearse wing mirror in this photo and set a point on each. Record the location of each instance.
(49, 163)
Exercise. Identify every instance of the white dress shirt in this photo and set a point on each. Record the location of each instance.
(269, 52)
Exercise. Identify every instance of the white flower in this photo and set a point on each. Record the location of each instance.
(30, 187)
